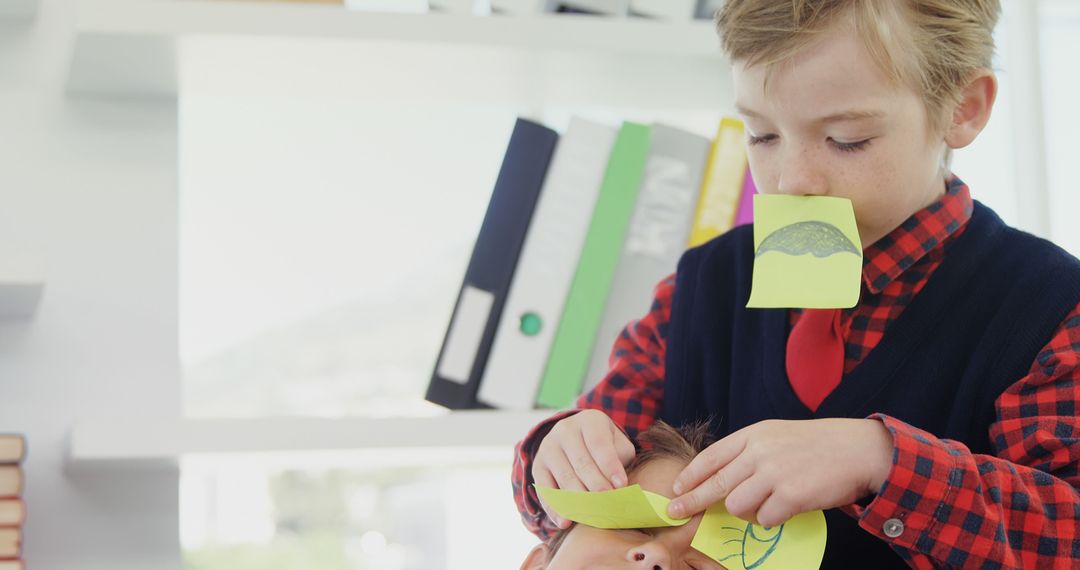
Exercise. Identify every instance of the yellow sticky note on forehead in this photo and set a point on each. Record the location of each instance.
(628, 507)
(807, 253)
(798, 544)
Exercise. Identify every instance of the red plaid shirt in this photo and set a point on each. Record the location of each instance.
(1018, 508)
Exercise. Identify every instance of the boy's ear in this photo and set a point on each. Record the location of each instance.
(973, 112)
(536, 559)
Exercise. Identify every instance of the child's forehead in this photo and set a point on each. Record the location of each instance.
(832, 76)
(658, 475)
(886, 36)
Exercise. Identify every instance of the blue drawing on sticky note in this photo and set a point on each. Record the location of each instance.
(755, 550)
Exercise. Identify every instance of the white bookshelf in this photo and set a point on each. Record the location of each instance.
(22, 282)
(126, 443)
(135, 47)
(17, 10)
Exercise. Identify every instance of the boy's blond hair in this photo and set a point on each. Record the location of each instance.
(933, 46)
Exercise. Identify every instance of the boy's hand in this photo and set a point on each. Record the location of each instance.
(775, 469)
(584, 452)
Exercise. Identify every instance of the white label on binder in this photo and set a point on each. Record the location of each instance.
(466, 332)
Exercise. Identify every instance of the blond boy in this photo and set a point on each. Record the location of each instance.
(936, 422)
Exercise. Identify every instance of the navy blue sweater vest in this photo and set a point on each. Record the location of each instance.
(975, 328)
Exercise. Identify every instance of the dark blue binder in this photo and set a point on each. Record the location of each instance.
(464, 353)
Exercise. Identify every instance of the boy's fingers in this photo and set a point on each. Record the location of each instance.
(708, 462)
(598, 441)
(581, 458)
(775, 511)
(543, 477)
(564, 474)
(555, 518)
(746, 499)
(713, 489)
(624, 448)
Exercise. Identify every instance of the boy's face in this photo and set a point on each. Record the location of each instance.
(832, 124)
(665, 548)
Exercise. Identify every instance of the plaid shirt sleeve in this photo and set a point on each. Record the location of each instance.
(630, 394)
(941, 505)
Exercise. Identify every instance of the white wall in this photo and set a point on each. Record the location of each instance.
(91, 187)
(1060, 38)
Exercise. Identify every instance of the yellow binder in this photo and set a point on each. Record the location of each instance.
(722, 185)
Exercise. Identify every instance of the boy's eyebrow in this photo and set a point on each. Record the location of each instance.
(852, 115)
(748, 112)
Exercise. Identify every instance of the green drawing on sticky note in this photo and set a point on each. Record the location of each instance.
(807, 253)
(628, 507)
(798, 544)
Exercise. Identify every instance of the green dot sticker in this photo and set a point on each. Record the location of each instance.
(530, 324)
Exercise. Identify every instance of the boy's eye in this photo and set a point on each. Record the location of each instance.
(755, 140)
(850, 147)
(856, 146)
(641, 531)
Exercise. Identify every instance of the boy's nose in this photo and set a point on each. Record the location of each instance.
(799, 174)
(650, 556)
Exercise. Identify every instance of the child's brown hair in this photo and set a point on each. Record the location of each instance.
(933, 46)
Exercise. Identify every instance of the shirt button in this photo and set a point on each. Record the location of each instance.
(893, 528)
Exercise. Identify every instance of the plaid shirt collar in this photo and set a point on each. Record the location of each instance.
(925, 231)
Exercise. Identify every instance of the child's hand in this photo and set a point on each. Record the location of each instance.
(774, 470)
(584, 452)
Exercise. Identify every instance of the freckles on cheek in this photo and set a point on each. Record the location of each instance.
(758, 165)
(877, 212)
(764, 179)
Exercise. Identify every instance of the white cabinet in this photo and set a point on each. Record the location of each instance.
(137, 47)
(17, 9)
(22, 281)
(151, 443)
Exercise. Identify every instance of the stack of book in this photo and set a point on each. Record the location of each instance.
(12, 507)
(579, 230)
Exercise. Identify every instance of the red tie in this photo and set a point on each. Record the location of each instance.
(815, 355)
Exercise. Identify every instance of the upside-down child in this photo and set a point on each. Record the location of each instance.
(668, 451)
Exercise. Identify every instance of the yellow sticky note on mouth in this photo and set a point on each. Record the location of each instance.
(807, 253)
(798, 544)
(628, 507)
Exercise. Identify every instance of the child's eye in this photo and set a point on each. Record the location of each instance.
(637, 532)
(850, 147)
(642, 531)
(763, 139)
